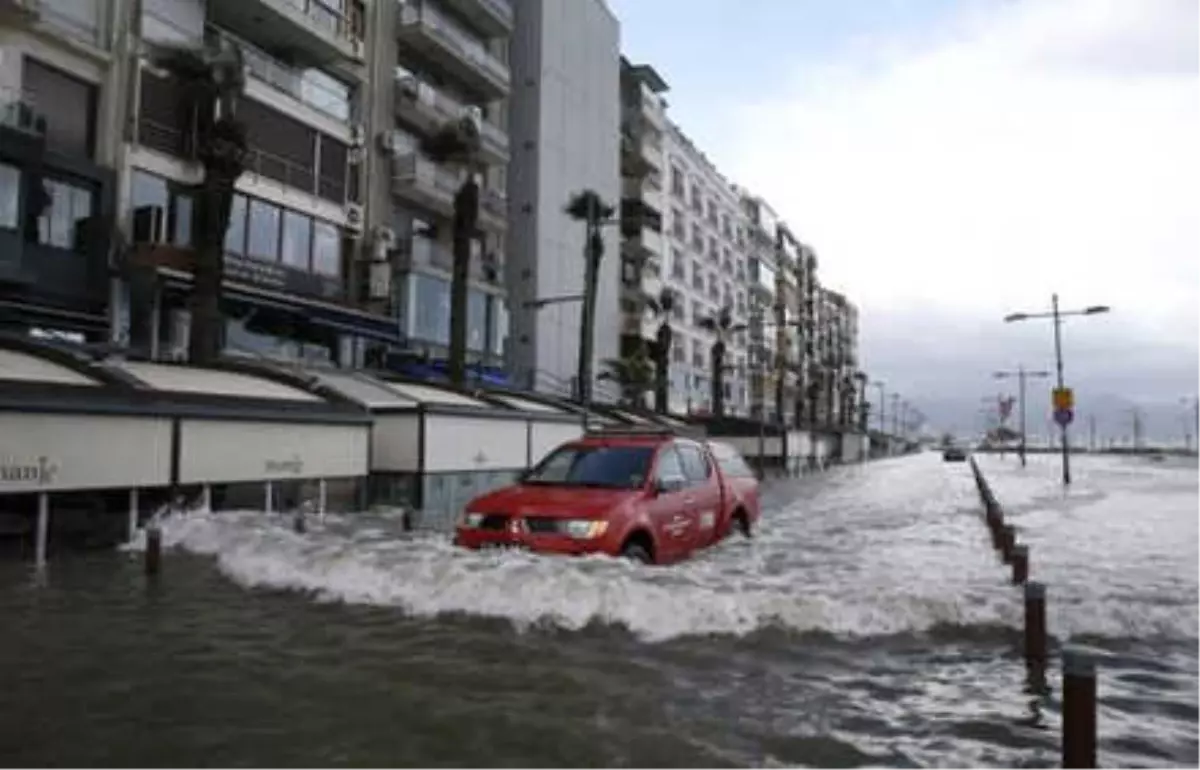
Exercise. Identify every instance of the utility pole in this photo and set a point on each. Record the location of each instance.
(1057, 315)
(1091, 433)
(1022, 375)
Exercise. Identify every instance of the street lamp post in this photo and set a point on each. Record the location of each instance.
(882, 424)
(1057, 316)
(1021, 374)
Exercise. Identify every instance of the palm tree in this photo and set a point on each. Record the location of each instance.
(588, 207)
(722, 326)
(459, 142)
(634, 375)
(213, 79)
(662, 307)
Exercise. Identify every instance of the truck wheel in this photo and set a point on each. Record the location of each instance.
(740, 525)
(636, 552)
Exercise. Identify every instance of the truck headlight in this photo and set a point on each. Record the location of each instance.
(584, 529)
(470, 520)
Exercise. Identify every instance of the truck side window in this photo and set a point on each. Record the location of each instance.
(670, 468)
(695, 465)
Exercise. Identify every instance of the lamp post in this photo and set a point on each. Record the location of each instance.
(1057, 315)
(1021, 374)
(1195, 422)
(880, 384)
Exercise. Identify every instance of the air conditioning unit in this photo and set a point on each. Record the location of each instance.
(383, 240)
(358, 48)
(475, 113)
(408, 85)
(358, 134)
(354, 216)
(387, 141)
(379, 281)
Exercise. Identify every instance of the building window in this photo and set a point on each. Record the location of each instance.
(499, 324)
(677, 181)
(327, 250)
(10, 196)
(235, 235)
(182, 214)
(263, 231)
(69, 207)
(430, 301)
(68, 104)
(297, 240)
(476, 320)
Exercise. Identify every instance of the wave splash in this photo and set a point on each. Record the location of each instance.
(426, 576)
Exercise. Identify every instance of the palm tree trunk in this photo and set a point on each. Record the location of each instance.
(466, 215)
(662, 363)
(718, 378)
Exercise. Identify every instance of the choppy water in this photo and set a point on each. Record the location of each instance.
(868, 624)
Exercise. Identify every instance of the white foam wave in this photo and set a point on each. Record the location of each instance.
(904, 559)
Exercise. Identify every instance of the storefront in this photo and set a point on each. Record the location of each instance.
(112, 441)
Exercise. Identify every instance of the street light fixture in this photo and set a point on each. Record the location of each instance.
(1021, 374)
(1057, 315)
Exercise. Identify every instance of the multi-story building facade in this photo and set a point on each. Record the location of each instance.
(565, 123)
(698, 252)
(58, 189)
(435, 62)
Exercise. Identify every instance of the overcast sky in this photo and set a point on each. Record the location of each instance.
(953, 161)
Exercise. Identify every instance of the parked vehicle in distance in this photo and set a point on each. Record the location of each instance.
(954, 454)
(645, 495)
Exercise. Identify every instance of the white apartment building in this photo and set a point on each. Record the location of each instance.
(708, 265)
(565, 133)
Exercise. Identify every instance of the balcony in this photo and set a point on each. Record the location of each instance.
(425, 109)
(443, 41)
(315, 31)
(18, 112)
(493, 210)
(311, 88)
(493, 18)
(425, 183)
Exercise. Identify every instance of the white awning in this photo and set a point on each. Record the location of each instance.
(212, 382)
(430, 394)
(525, 404)
(366, 390)
(22, 367)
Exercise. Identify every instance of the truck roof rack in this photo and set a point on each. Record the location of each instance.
(632, 430)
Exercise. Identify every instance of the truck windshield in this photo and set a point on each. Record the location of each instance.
(608, 467)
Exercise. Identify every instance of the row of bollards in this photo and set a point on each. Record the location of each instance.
(1078, 668)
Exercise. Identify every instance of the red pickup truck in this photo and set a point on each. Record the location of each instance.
(648, 496)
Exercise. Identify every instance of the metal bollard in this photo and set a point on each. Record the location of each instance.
(1078, 709)
(1035, 624)
(42, 533)
(1020, 564)
(1008, 540)
(153, 560)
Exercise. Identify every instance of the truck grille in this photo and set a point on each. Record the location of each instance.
(495, 522)
(541, 525)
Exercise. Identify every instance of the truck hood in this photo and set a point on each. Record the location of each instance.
(553, 502)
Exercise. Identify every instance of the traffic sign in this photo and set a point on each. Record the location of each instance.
(1064, 416)
(1064, 398)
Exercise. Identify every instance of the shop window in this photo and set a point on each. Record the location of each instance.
(235, 235)
(69, 206)
(182, 213)
(10, 197)
(476, 320)
(327, 250)
(431, 308)
(297, 240)
(262, 240)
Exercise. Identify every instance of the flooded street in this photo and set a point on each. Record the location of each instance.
(869, 622)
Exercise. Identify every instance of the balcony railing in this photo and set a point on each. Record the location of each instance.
(468, 47)
(416, 170)
(324, 17)
(18, 111)
(289, 80)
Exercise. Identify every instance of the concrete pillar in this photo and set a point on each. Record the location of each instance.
(269, 505)
(43, 528)
(322, 494)
(206, 497)
(133, 513)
